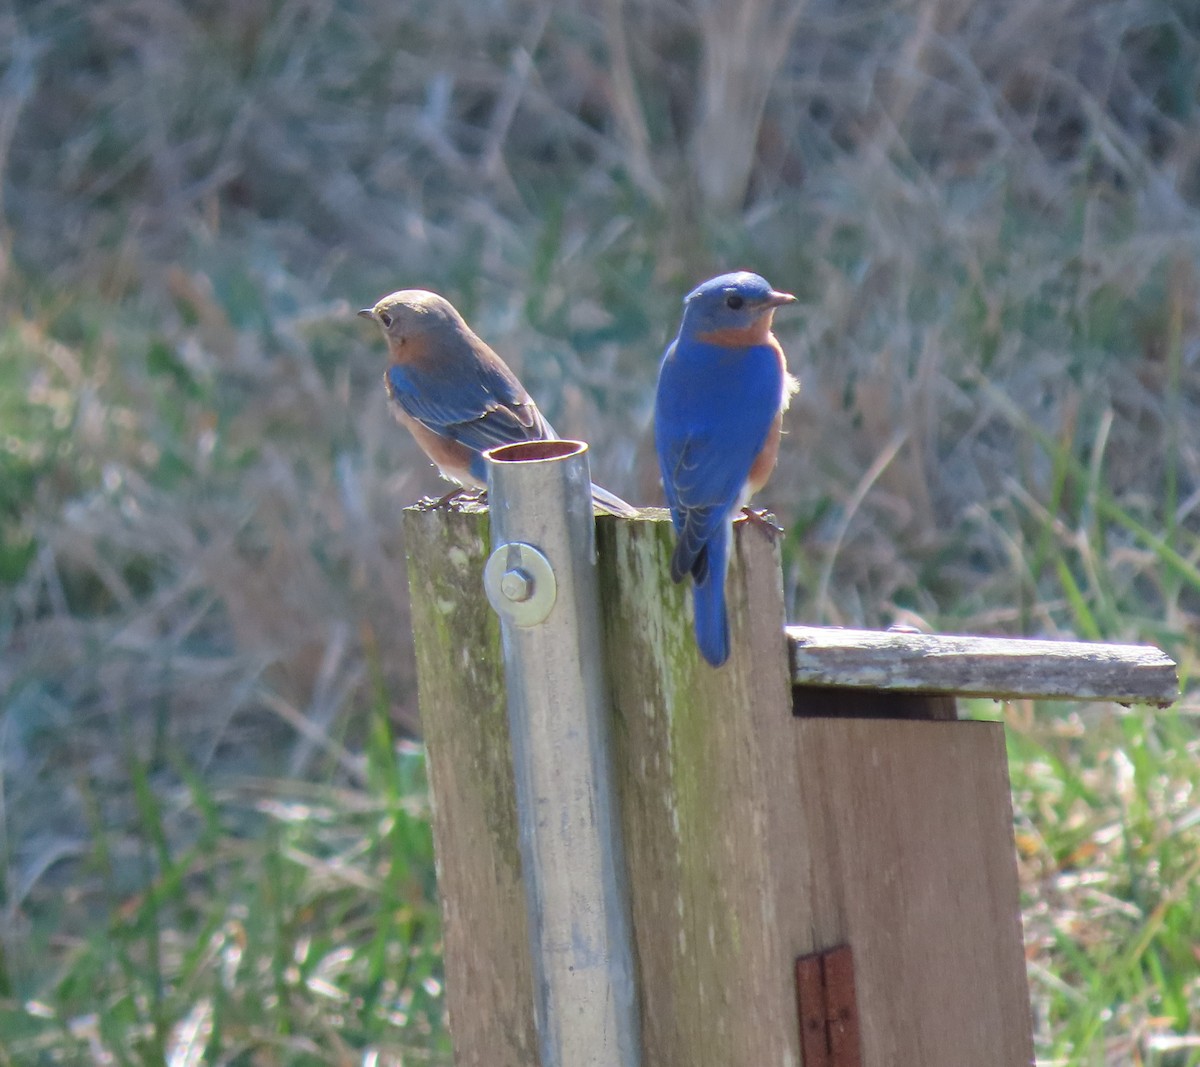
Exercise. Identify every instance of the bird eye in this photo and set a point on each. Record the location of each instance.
(386, 319)
(733, 301)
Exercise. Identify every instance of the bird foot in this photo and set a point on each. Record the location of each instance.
(763, 519)
(459, 491)
(445, 498)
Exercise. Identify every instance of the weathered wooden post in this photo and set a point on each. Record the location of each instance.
(819, 853)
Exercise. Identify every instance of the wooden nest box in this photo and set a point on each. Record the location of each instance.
(819, 852)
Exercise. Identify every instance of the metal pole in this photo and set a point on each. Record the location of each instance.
(541, 578)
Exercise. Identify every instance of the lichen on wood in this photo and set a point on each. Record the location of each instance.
(460, 675)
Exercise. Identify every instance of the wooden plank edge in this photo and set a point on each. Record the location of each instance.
(1000, 668)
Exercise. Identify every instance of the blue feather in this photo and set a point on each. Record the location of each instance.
(480, 414)
(711, 622)
(716, 404)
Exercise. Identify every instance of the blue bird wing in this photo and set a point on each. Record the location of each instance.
(713, 411)
(482, 409)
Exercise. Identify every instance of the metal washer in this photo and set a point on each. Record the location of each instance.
(516, 556)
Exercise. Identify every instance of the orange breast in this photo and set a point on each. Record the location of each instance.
(452, 458)
(757, 333)
(764, 462)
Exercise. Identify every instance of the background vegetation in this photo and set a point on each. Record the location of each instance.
(213, 843)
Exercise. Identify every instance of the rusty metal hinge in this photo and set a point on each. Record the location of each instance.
(828, 1010)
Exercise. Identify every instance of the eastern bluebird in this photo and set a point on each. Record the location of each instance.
(455, 395)
(722, 391)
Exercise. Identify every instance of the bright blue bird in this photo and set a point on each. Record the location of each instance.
(722, 390)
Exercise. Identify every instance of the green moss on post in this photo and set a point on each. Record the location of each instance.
(460, 673)
(705, 757)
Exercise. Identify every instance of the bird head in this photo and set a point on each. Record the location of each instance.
(735, 303)
(413, 313)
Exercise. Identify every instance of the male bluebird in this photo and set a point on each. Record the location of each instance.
(722, 391)
(454, 394)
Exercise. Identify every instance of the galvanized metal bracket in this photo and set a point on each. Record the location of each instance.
(520, 584)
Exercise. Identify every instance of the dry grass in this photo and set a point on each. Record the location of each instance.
(989, 209)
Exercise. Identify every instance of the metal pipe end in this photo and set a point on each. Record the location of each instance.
(533, 451)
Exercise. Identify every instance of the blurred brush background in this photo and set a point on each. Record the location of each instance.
(214, 844)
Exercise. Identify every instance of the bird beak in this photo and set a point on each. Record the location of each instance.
(776, 299)
(367, 313)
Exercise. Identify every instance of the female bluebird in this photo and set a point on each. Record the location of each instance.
(454, 394)
(722, 391)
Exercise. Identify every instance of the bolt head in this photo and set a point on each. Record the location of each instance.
(516, 585)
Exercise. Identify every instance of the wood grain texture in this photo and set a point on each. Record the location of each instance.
(1003, 668)
(911, 838)
(718, 862)
(460, 675)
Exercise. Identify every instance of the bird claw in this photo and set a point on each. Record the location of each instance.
(763, 520)
(468, 494)
(445, 498)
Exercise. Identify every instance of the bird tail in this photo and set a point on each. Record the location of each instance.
(611, 504)
(708, 596)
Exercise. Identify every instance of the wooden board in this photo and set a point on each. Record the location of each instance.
(1004, 668)
(717, 858)
(911, 837)
(460, 675)
(754, 838)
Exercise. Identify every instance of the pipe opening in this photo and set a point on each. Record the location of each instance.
(535, 451)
